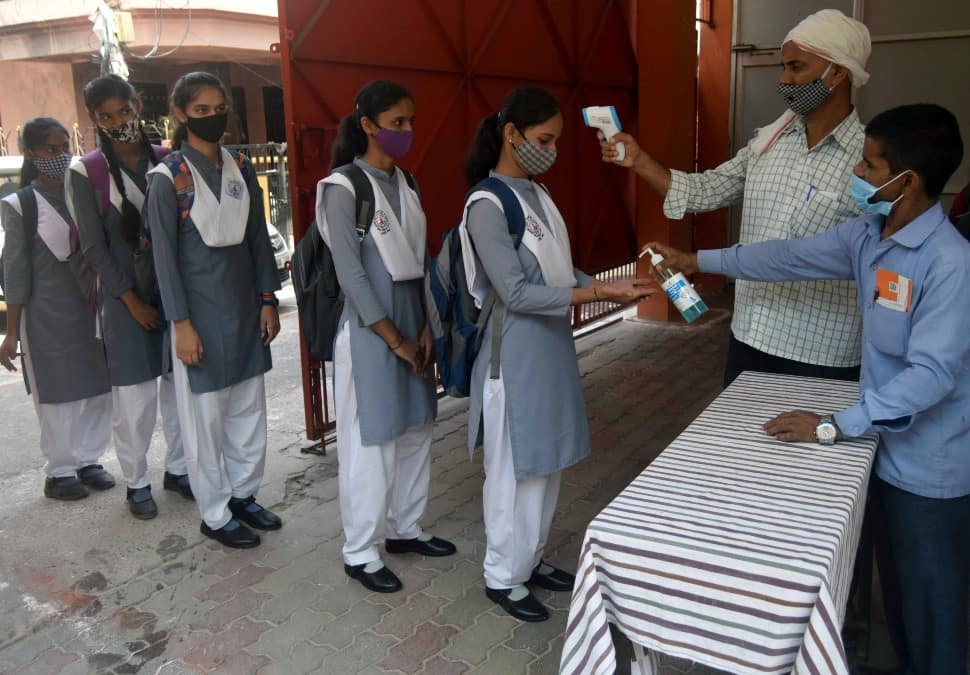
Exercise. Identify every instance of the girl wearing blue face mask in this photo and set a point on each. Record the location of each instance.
(384, 391)
(49, 294)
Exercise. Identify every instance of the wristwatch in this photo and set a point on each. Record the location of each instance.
(826, 432)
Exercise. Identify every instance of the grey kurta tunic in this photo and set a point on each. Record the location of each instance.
(134, 354)
(68, 360)
(544, 398)
(390, 397)
(216, 288)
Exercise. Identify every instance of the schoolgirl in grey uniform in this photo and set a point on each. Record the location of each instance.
(132, 334)
(384, 391)
(217, 278)
(530, 419)
(50, 309)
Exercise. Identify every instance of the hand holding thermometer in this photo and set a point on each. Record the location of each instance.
(604, 118)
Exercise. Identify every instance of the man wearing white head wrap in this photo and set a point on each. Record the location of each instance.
(793, 180)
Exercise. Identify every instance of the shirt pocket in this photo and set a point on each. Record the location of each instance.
(888, 330)
(823, 211)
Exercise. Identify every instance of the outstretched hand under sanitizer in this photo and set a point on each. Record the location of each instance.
(680, 291)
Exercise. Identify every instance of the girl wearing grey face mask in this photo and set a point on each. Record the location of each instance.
(526, 403)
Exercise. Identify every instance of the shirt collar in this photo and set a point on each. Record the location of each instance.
(842, 134)
(916, 232)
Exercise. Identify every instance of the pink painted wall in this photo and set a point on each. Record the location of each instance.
(45, 90)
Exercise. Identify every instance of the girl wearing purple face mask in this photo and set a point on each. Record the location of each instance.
(47, 286)
(383, 381)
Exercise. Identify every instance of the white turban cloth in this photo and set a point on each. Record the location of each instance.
(833, 36)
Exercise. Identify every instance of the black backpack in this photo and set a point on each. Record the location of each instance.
(28, 212)
(315, 284)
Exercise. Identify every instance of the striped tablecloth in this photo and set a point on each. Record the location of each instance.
(731, 549)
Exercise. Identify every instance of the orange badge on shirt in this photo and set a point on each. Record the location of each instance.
(893, 291)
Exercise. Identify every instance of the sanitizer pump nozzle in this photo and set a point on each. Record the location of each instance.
(604, 118)
(680, 291)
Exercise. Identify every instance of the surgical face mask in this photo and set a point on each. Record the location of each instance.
(210, 128)
(53, 167)
(394, 143)
(863, 191)
(129, 132)
(804, 98)
(535, 159)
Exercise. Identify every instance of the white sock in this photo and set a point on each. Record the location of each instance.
(518, 593)
(545, 569)
(373, 566)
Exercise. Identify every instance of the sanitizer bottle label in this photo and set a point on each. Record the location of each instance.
(680, 292)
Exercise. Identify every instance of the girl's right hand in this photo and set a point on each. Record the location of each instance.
(146, 315)
(8, 352)
(411, 351)
(627, 291)
(188, 346)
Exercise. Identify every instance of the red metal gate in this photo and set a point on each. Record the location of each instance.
(459, 58)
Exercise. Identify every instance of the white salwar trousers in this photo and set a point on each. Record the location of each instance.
(383, 488)
(518, 513)
(134, 411)
(224, 436)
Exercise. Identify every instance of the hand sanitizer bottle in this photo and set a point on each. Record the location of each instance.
(680, 291)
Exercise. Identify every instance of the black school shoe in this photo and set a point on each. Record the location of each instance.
(381, 581)
(434, 547)
(254, 515)
(143, 508)
(178, 483)
(95, 477)
(525, 609)
(557, 580)
(67, 488)
(238, 537)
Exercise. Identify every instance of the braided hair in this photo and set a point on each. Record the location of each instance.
(96, 92)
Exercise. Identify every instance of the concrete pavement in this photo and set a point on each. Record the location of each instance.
(87, 589)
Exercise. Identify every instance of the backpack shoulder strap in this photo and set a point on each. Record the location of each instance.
(244, 164)
(96, 167)
(160, 152)
(510, 205)
(28, 211)
(364, 196)
(409, 179)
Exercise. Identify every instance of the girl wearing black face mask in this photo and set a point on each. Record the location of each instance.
(105, 191)
(48, 289)
(526, 403)
(217, 278)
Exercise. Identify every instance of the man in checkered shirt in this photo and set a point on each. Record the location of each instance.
(793, 180)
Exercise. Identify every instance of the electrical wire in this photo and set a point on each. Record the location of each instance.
(159, 22)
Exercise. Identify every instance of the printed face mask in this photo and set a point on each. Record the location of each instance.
(534, 158)
(863, 191)
(804, 98)
(53, 167)
(129, 132)
(210, 128)
(395, 143)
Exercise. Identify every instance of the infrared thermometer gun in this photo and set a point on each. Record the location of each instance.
(604, 118)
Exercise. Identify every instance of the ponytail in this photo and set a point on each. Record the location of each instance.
(179, 137)
(373, 99)
(351, 142)
(130, 218)
(485, 150)
(523, 107)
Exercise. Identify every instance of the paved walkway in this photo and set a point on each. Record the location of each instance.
(158, 598)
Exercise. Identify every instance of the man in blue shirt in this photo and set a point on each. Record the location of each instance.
(912, 268)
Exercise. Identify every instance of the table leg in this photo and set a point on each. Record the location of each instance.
(645, 661)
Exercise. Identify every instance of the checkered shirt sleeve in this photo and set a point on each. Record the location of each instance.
(788, 192)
